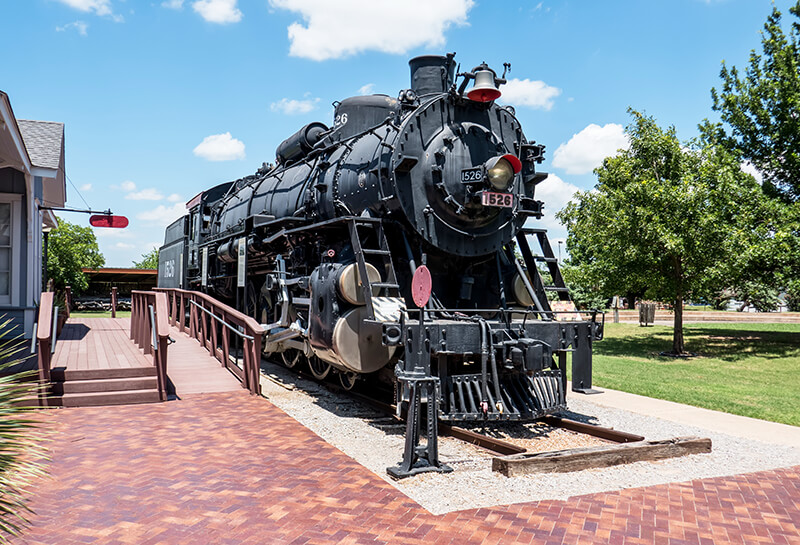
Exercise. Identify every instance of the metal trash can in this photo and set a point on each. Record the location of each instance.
(647, 314)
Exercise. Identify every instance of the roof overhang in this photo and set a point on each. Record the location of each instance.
(12, 148)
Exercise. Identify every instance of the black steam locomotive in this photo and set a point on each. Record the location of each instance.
(321, 248)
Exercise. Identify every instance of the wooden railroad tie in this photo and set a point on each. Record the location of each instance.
(563, 461)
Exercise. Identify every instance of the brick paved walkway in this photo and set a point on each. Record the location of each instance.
(228, 468)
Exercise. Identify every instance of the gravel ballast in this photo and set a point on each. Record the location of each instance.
(375, 442)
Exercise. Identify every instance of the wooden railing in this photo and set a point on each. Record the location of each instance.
(150, 331)
(219, 327)
(46, 342)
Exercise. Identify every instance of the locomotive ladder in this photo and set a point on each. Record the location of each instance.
(548, 257)
(390, 287)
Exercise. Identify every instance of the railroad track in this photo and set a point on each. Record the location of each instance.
(486, 442)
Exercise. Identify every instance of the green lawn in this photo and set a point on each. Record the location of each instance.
(100, 314)
(747, 369)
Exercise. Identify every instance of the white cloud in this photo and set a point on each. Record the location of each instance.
(586, 150)
(332, 30)
(366, 89)
(99, 7)
(79, 26)
(124, 245)
(220, 147)
(218, 11)
(101, 232)
(749, 168)
(175, 198)
(172, 4)
(293, 107)
(86, 187)
(127, 185)
(555, 193)
(533, 94)
(163, 215)
(148, 194)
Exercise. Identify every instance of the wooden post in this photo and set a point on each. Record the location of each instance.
(161, 325)
(226, 346)
(133, 315)
(68, 299)
(214, 329)
(114, 302)
(182, 314)
(257, 363)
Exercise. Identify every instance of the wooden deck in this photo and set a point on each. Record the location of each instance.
(96, 363)
(97, 344)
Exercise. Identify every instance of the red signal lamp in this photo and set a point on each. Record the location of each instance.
(108, 220)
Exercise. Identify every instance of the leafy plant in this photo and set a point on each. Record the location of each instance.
(70, 249)
(149, 260)
(21, 437)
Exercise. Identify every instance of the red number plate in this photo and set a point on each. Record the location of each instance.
(505, 200)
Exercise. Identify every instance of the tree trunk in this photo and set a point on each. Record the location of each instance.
(677, 327)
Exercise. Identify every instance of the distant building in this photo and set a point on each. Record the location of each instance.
(125, 280)
(32, 176)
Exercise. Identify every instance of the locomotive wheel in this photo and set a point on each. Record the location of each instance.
(348, 380)
(291, 357)
(318, 367)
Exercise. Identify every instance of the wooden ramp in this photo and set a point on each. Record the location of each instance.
(95, 363)
(192, 369)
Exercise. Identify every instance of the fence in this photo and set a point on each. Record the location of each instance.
(150, 331)
(219, 327)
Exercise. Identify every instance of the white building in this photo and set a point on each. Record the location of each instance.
(31, 176)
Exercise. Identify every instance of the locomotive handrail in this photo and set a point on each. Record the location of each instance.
(184, 305)
(150, 331)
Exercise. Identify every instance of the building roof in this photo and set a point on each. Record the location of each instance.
(43, 140)
(12, 148)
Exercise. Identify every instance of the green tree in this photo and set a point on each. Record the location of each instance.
(761, 110)
(760, 114)
(149, 260)
(71, 248)
(663, 220)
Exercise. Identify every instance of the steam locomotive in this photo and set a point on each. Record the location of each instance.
(322, 246)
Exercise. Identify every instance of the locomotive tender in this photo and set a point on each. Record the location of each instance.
(321, 248)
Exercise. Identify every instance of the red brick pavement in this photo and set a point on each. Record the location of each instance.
(228, 468)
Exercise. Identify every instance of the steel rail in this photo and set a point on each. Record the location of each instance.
(486, 442)
(591, 429)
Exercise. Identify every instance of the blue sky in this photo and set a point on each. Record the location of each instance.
(164, 98)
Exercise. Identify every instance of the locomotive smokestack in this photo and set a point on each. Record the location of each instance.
(432, 73)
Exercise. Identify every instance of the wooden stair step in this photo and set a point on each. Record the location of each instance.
(60, 374)
(94, 399)
(105, 385)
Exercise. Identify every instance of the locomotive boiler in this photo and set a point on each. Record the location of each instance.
(322, 245)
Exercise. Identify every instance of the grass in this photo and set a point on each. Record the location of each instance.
(100, 314)
(746, 369)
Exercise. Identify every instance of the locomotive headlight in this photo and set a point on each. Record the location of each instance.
(500, 171)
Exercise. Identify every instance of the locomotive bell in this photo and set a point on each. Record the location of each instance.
(485, 88)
